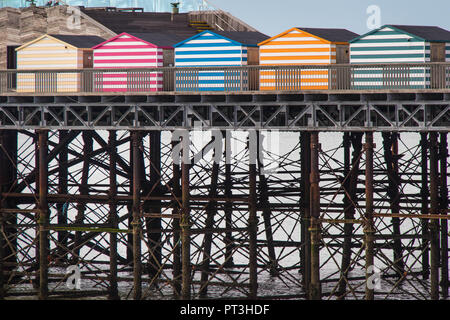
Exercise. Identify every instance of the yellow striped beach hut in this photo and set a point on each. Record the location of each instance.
(50, 52)
(303, 46)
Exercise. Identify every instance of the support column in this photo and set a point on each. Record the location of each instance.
(253, 229)
(37, 184)
(113, 218)
(136, 224)
(8, 222)
(348, 228)
(43, 215)
(444, 206)
(129, 248)
(315, 292)
(176, 189)
(390, 145)
(434, 224)
(211, 210)
(351, 171)
(266, 210)
(2, 255)
(185, 232)
(425, 194)
(398, 250)
(228, 239)
(153, 224)
(62, 208)
(305, 253)
(369, 230)
(84, 191)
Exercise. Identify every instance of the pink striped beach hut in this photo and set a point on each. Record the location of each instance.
(133, 51)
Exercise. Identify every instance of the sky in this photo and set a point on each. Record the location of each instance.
(275, 16)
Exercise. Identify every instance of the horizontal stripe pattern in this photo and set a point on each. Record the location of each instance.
(210, 50)
(296, 48)
(48, 53)
(126, 51)
(388, 45)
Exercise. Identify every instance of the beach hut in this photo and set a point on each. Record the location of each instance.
(303, 46)
(134, 51)
(400, 44)
(216, 49)
(54, 52)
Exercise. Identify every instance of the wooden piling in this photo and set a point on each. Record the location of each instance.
(252, 230)
(113, 293)
(63, 172)
(425, 194)
(83, 190)
(228, 184)
(154, 223)
(8, 229)
(266, 211)
(315, 291)
(434, 224)
(305, 253)
(209, 224)
(176, 189)
(390, 144)
(185, 225)
(351, 172)
(444, 205)
(43, 215)
(136, 224)
(369, 230)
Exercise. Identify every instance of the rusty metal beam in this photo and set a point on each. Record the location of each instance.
(44, 244)
(136, 217)
(369, 230)
(315, 291)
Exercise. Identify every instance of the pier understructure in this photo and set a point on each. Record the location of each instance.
(215, 195)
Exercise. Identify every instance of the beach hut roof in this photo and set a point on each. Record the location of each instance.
(328, 35)
(424, 33)
(154, 39)
(73, 41)
(160, 39)
(246, 38)
(428, 33)
(79, 41)
(331, 34)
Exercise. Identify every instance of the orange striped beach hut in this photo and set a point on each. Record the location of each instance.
(303, 46)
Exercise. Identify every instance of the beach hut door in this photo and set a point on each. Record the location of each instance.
(11, 64)
(87, 76)
(88, 60)
(437, 71)
(341, 75)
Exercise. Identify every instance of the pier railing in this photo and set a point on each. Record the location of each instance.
(429, 76)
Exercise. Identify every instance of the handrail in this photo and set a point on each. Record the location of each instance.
(232, 78)
(297, 66)
(215, 12)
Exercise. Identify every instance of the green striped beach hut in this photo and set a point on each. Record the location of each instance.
(400, 44)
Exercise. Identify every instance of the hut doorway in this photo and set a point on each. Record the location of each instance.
(11, 63)
(437, 76)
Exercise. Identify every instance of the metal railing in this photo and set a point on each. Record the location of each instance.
(429, 76)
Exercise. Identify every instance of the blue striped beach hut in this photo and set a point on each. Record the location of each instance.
(403, 45)
(216, 49)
